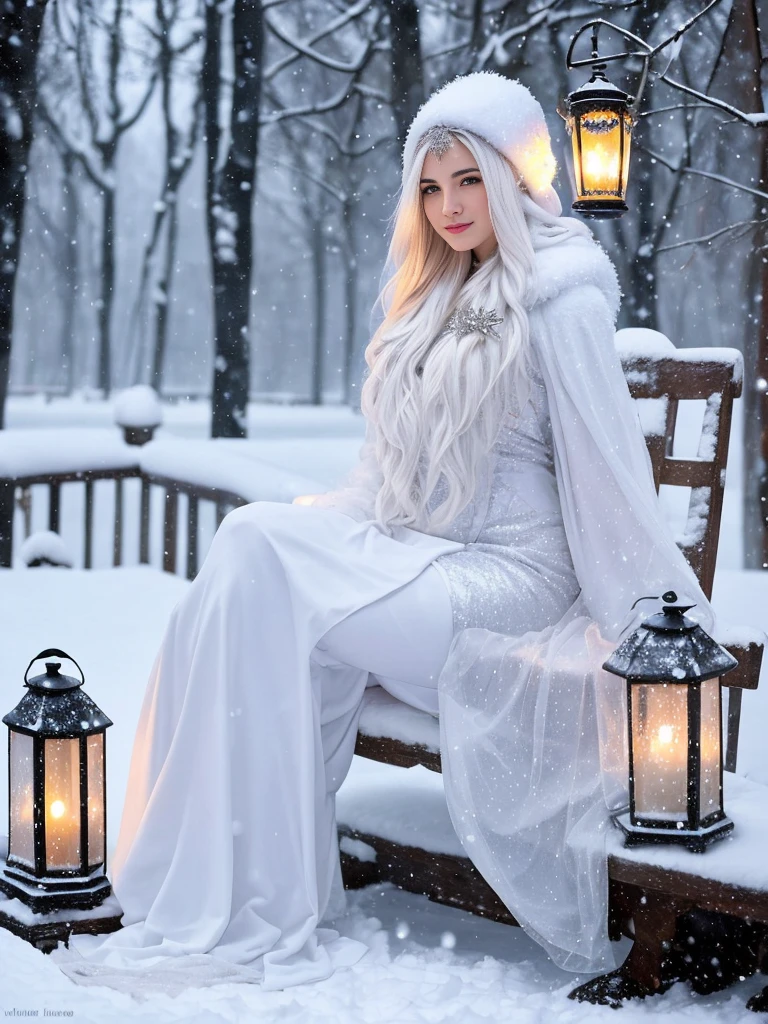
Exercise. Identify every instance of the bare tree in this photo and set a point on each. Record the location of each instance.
(19, 35)
(179, 33)
(407, 72)
(232, 149)
(85, 108)
(336, 120)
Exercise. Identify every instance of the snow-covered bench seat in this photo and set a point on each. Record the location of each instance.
(398, 830)
(650, 891)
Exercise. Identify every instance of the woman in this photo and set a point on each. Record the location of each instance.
(480, 562)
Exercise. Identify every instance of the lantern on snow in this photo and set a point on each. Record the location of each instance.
(673, 668)
(57, 794)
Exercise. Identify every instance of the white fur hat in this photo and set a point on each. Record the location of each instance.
(505, 113)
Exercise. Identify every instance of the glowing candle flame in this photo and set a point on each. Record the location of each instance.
(57, 808)
(666, 734)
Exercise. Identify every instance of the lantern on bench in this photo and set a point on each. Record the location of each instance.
(672, 668)
(57, 794)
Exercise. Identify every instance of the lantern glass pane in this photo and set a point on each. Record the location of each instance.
(711, 747)
(627, 146)
(660, 751)
(62, 804)
(95, 749)
(576, 155)
(21, 841)
(600, 132)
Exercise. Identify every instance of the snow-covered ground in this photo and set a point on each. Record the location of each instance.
(427, 963)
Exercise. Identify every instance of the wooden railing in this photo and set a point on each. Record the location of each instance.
(17, 493)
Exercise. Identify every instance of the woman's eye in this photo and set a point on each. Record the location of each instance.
(471, 179)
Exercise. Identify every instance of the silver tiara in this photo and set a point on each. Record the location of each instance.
(466, 320)
(439, 140)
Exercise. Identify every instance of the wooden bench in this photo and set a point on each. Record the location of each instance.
(647, 903)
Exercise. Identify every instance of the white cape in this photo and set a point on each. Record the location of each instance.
(533, 731)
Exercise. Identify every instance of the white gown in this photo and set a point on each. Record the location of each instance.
(227, 849)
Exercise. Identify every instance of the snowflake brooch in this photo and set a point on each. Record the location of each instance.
(465, 320)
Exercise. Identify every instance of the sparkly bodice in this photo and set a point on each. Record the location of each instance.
(515, 572)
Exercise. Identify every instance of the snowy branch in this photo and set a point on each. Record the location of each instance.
(348, 151)
(329, 62)
(498, 40)
(321, 183)
(706, 239)
(686, 169)
(680, 32)
(314, 108)
(755, 120)
(78, 150)
(355, 11)
(129, 122)
(371, 93)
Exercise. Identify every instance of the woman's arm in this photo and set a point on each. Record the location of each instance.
(621, 545)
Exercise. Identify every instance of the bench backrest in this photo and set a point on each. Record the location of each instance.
(714, 375)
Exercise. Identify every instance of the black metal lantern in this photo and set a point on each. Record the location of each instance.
(600, 122)
(56, 794)
(672, 667)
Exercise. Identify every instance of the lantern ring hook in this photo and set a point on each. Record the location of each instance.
(55, 653)
(598, 61)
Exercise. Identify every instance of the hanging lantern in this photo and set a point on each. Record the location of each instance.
(672, 668)
(600, 125)
(57, 794)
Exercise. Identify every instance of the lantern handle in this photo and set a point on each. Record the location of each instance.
(56, 653)
(598, 61)
(669, 596)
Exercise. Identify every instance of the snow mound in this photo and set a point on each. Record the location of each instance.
(138, 406)
(45, 548)
(637, 342)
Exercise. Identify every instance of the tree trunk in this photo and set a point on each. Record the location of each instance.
(178, 158)
(22, 20)
(407, 73)
(320, 291)
(641, 298)
(69, 271)
(350, 307)
(108, 149)
(755, 441)
(106, 292)
(230, 188)
(162, 294)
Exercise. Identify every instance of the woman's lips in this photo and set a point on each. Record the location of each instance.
(456, 228)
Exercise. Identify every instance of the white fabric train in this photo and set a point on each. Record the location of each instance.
(227, 861)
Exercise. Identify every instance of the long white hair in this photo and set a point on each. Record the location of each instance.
(438, 404)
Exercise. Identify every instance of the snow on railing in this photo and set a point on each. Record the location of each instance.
(194, 476)
(212, 465)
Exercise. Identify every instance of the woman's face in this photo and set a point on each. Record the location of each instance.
(453, 194)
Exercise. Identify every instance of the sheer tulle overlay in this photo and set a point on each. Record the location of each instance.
(534, 750)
